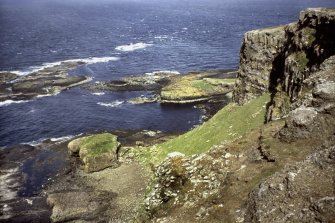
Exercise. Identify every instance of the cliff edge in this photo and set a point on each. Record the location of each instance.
(278, 60)
(283, 169)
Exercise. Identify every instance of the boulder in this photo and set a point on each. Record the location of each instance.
(97, 152)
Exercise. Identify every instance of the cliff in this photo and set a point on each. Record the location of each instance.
(278, 60)
(282, 170)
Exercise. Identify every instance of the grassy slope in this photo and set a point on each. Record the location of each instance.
(228, 124)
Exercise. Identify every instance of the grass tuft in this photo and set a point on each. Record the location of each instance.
(99, 143)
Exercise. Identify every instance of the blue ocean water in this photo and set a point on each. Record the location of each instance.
(178, 35)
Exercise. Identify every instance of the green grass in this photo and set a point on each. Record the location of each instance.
(301, 59)
(228, 124)
(99, 143)
(272, 28)
(328, 9)
(309, 35)
(202, 85)
(211, 84)
(219, 81)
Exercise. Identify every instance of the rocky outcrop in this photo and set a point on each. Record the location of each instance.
(231, 183)
(283, 171)
(170, 87)
(258, 55)
(97, 152)
(47, 81)
(73, 205)
(196, 87)
(7, 77)
(152, 82)
(200, 176)
(303, 192)
(278, 60)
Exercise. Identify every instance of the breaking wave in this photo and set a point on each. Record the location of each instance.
(132, 47)
(90, 60)
(9, 102)
(113, 104)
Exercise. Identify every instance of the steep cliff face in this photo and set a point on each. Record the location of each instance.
(259, 52)
(278, 60)
(282, 171)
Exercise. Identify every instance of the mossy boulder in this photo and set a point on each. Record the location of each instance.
(97, 152)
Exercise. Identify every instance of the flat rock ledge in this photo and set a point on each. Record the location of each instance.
(47, 81)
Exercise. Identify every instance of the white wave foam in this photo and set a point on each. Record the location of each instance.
(162, 71)
(131, 47)
(48, 95)
(35, 142)
(113, 104)
(8, 182)
(98, 93)
(61, 139)
(8, 102)
(90, 60)
(56, 140)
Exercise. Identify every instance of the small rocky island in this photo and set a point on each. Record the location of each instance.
(173, 88)
(268, 156)
(46, 81)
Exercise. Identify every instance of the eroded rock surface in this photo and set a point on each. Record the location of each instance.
(303, 192)
(279, 59)
(47, 81)
(110, 195)
(258, 55)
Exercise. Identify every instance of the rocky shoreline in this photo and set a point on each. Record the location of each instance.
(35, 178)
(267, 157)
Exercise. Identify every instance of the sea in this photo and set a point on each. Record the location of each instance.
(119, 38)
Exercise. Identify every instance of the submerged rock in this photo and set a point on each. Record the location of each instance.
(97, 152)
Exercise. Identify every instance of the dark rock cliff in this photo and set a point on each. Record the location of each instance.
(278, 60)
